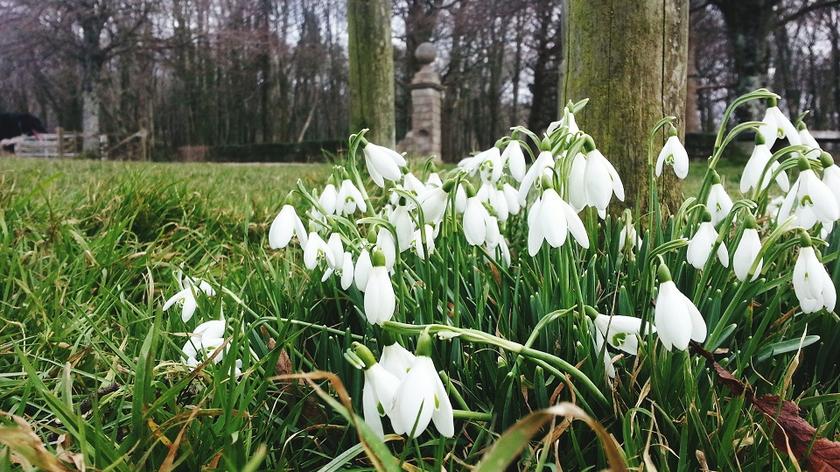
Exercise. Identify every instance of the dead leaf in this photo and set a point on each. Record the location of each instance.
(791, 433)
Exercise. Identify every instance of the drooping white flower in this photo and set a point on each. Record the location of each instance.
(386, 243)
(673, 154)
(620, 332)
(420, 249)
(383, 164)
(812, 284)
(831, 179)
(676, 318)
(601, 181)
(404, 225)
(328, 199)
(718, 203)
(550, 219)
(421, 397)
(475, 221)
(412, 183)
(315, 250)
(362, 269)
(515, 160)
(756, 165)
(500, 252)
(488, 164)
(380, 300)
(628, 234)
(285, 225)
(776, 125)
(700, 247)
(396, 359)
(512, 199)
(807, 139)
(203, 341)
(433, 202)
(378, 392)
(349, 199)
(577, 183)
(188, 288)
(535, 172)
(747, 252)
(810, 200)
(568, 120)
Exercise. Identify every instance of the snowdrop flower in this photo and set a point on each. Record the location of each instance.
(412, 183)
(500, 252)
(204, 340)
(515, 159)
(285, 225)
(379, 390)
(382, 163)
(810, 200)
(535, 172)
(620, 332)
(188, 289)
(628, 233)
(811, 282)
(380, 300)
(476, 219)
(511, 198)
(342, 262)
(700, 246)
(396, 359)
(776, 125)
(361, 271)
(676, 318)
(577, 186)
(808, 140)
(315, 250)
(831, 175)
(673, 154)
(757, 164)
(404, 225)
(601, 181)
(386, 243)
(421, 397)
(488, 164)
(773, 206)
(550, 219)
(718, 201)
(429, 248)
(433, 200)
(460, 199)
(349, 199)
(328, 199)
(568, 121)
(747, 252)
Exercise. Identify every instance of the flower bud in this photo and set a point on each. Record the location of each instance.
(378, 258)
(364, 354)
(826, 160)
(803, 164)
(663, 273)
(424, 344)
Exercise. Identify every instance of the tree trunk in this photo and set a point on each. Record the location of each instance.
(748, 27)
(371, 69)
(630, 59)
(91, 76)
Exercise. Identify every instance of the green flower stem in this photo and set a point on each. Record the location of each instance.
(480, 337)
(472, 415)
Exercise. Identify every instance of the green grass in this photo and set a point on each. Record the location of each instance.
(88, 250)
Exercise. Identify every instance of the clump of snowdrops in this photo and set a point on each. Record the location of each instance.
(477, 294)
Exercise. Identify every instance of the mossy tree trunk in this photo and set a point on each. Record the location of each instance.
(630, 59)
(371, 69)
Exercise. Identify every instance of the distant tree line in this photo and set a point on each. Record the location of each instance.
(213, 72)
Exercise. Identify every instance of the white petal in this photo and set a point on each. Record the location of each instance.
(380, 300)
(474, 222)
(443, 417)
(554, 225)
(671, 317)
(575, 225)
(282, 227)
(371, 410)
(415, 398)
(362, 270)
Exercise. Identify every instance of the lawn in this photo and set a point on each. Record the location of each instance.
(91, 363)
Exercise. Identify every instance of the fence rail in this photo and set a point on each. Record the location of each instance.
(59, 144)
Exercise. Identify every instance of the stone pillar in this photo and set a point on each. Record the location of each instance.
(423, 140)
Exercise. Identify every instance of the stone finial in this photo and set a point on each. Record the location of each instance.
(425, 53)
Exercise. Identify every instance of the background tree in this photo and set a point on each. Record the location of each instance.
(371, 69)
(630, 58)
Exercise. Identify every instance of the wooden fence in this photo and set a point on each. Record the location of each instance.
(59, 144)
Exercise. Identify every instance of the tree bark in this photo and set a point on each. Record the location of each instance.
(630, 59)
(371, 69)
